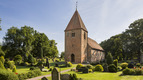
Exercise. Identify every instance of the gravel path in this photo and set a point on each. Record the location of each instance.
(39, 77)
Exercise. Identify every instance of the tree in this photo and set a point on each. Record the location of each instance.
(31, 59)
(62, 54)
(18, 59)
(1, 52)
(18, 41)
(109, 59)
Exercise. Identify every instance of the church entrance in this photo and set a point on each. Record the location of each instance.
(72, 58)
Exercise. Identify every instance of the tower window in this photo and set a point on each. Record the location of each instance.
(73, 34)
(84, 36)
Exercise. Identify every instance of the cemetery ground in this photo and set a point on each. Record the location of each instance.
(104, 75)
(25, 69)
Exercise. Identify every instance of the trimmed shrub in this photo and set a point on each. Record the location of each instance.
(6, 75)
(89, 66)
(84, 69)
(124, 65)
(79, 66)
(112, 68)
(109, 59)
(119, 68)
(130, 65)
(138, 71)
(115, 62)
(14, 69)
(69, 64)
(2, 59)
(132, 72)
(89, 70)
(126, 71)
(98, 67)
(138, 65)
(1, 65)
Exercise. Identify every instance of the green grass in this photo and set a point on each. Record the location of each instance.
(24, 69)
(105, 76)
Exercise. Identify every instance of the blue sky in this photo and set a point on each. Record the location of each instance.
(102, 18)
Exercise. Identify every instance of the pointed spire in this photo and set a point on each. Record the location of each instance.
(76, 23)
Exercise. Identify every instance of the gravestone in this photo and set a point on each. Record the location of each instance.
(65, 77)
(55, 74)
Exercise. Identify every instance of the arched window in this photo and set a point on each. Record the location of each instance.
(84, 35)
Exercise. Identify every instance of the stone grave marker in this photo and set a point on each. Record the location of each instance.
(55, 74)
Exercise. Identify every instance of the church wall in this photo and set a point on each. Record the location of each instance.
(95, 56)
(84, 38)
(73, 45)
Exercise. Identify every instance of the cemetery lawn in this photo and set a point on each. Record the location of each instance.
(24, 69)
(104, 76)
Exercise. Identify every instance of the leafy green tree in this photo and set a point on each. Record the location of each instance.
(62, 54)
(31, 59)
(1, 52)
(17, 59)
(109, 59)
(2, 59)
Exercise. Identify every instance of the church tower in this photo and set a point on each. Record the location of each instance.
(76, 36)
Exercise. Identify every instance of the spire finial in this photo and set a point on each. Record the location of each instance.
(76, 4)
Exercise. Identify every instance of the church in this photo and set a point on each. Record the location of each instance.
(79, 48)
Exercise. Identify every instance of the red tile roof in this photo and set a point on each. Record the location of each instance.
(76, 23)
(93, 44)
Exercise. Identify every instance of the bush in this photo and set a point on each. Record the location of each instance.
(124, 65)
(6, 75)
(126, 71)
(130, 65)
(89, 70)
(2, 59)
(112, 68)
(14, 69)
(1, 65)
(138, 71)
(69, 64)
(89, 66)
(115, 62)
(79, 66)
(22, 76)
(109, 59)
(98, 67)
(132, 72)
(119, 68)
(138, 65)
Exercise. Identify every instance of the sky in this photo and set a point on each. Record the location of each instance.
(102, 18)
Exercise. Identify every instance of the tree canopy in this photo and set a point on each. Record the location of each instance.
(27, 41)
(127, 45)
